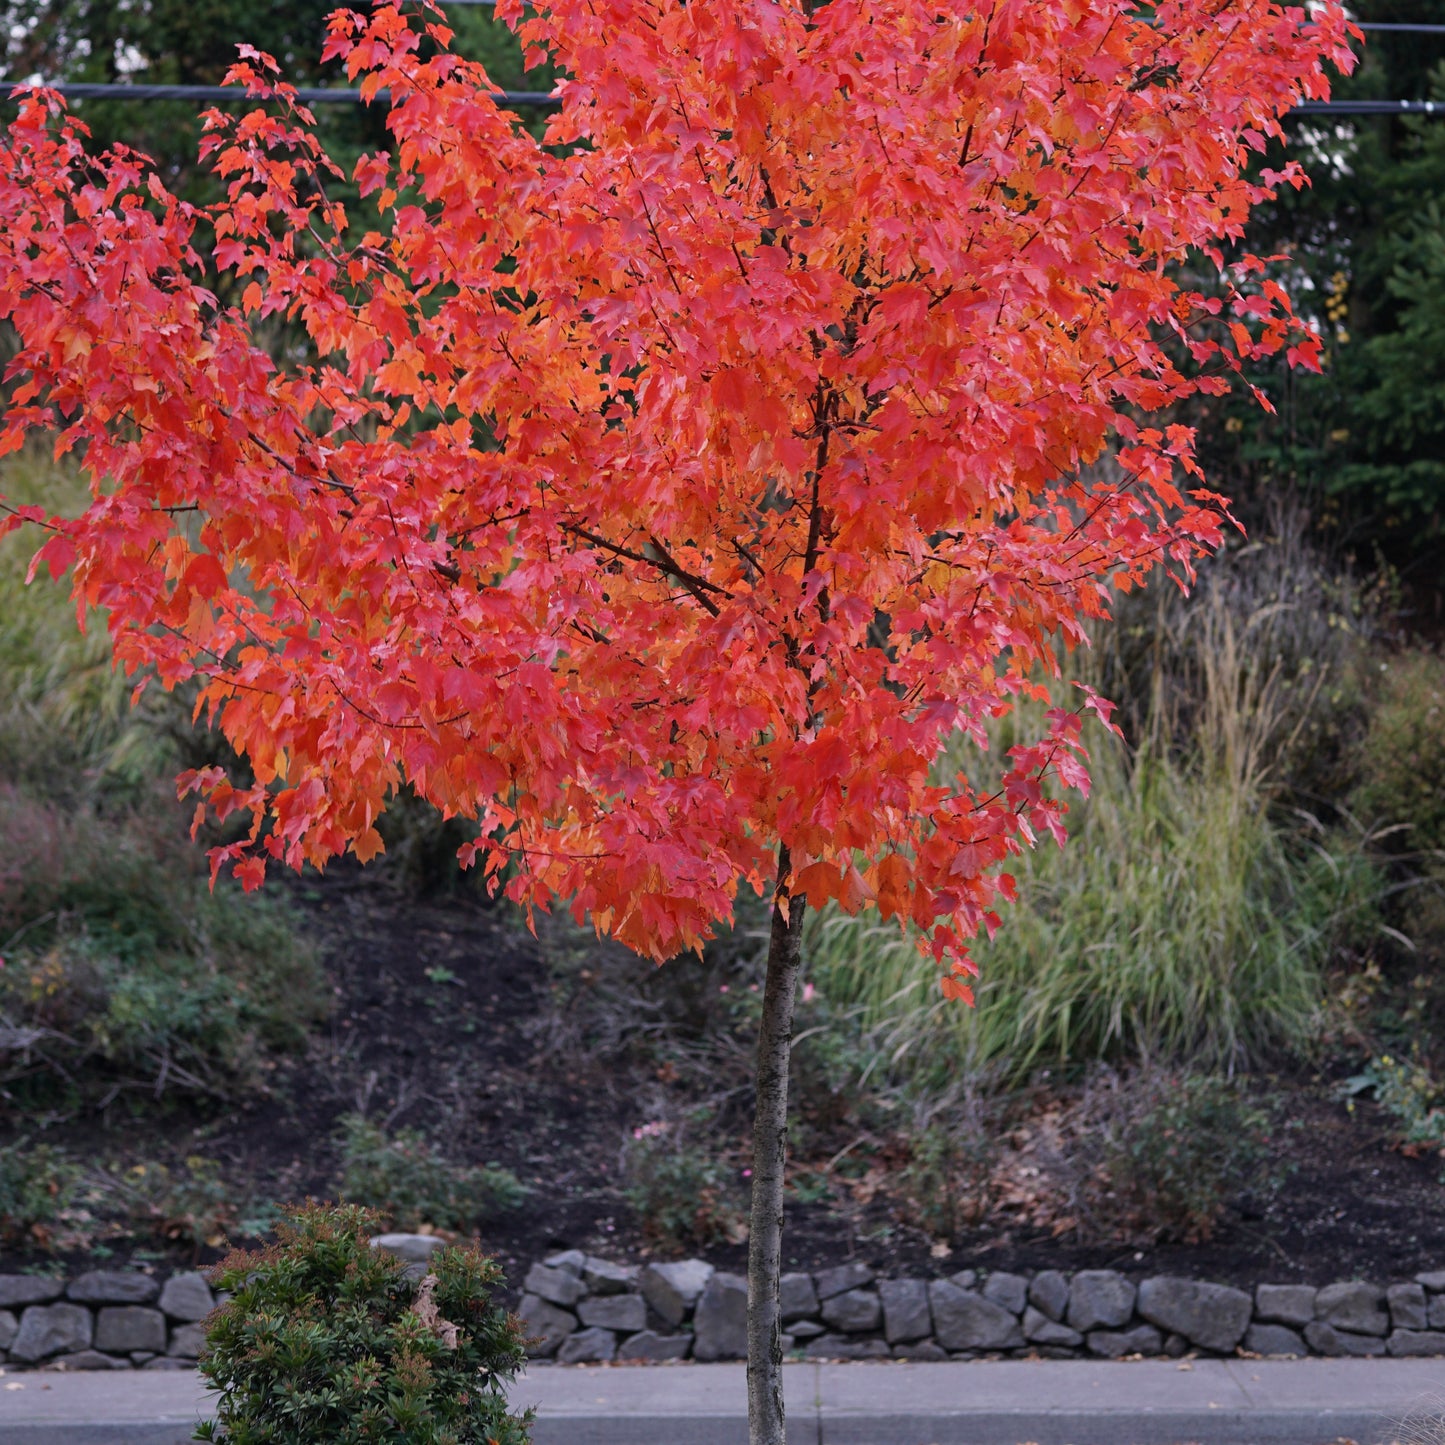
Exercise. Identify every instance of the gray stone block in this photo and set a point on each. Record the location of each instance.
(806, 1329)
(649, 1345)
(1433, 1280)
(122, 1328)
(906, 1315)
(1041, 1330)
(588, 1347)
(1008, 1291)
(28, 1289)
(61, 1329)
(187, 1297)
(1049, 1293)
(720, 1322)
(1406, 1303)
(1274, 1340)
(1327, 1340)
(673, 1289)
(9, 1328)
(556, 1286)
(844, 1347)
(854, 1312)
(169, 1362)
(571, 1260)
(113, 1287)
(187, 1341)
(1099, 1299)
(1212, 1316)
(1405, 1343)
(797, 1298)
(920, 1350)
(1115, 1344)
(842, 1277)
(413, 1248)
(624, 1312)
(964, 1320)
(601, 1276)
(964, 1278)
(1358, 1308)
(1435, 1315)
(545, 1325)
(86, 1360)
(1285, 1304)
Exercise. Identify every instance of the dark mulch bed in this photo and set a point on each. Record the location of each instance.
(439, 1022)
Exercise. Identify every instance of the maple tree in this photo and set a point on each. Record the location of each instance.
(665, 494)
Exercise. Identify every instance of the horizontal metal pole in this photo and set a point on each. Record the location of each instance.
(316, 95)
(1370, 107)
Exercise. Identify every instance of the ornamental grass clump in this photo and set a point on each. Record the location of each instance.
(326, 1341)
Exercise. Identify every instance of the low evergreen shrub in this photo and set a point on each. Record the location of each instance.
(326, 1341)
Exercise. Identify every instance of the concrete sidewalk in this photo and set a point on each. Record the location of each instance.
(1070, 1402)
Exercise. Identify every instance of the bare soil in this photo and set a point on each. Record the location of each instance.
(441, 1019)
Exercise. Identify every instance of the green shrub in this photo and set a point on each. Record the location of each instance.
(37, 1182)
(405, 1179)
(1402, 783)
(945, 1185)
(1173, 1150)
(123, 967)
(679, 1191)
(326, 1341)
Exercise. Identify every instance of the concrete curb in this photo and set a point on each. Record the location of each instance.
(1071, 1402)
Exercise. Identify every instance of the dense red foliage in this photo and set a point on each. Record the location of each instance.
(670, 490)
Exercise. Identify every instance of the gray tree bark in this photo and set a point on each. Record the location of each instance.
(770, 1145)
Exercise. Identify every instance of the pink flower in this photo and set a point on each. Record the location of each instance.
(809, 993)
(722, 988)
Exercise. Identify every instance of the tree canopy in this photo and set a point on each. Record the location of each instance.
(674, 489)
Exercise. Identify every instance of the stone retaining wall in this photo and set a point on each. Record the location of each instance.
(102, 1320)
(581, 1309)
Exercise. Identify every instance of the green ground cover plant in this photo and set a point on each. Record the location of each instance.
(410, 1182)
(685, 1196)
(1408, 1092)
(37, 1184)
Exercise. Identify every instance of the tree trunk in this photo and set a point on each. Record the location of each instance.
(770, 1143)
